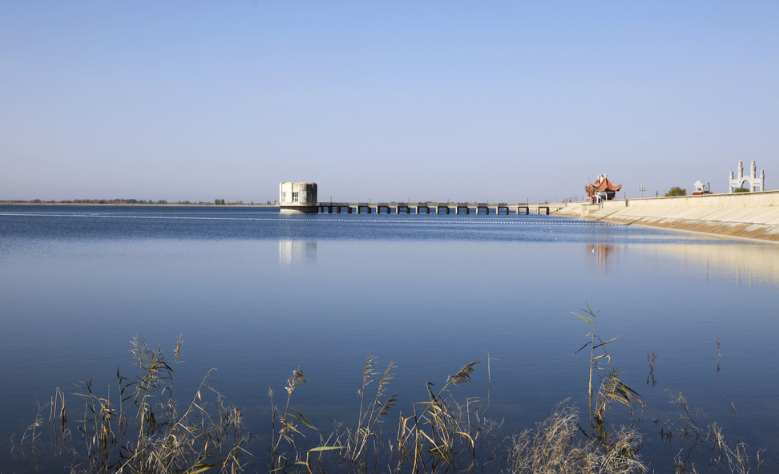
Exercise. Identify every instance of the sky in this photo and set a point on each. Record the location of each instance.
(498, 101)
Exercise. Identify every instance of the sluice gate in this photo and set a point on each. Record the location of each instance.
(476, 208)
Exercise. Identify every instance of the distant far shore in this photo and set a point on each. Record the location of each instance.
(126, 203)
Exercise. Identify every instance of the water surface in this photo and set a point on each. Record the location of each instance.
(256, 294)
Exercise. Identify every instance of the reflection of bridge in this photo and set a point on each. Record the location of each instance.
(435, 208)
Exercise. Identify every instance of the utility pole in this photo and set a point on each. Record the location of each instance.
(642, 189)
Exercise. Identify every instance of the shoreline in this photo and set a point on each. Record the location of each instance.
(754, 240)
(658, 214)
(752, 217)
(27, 203)
(769, 239)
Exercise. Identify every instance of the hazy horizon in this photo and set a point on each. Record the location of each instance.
(500, 102)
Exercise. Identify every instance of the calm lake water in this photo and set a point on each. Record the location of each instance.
(256, 294)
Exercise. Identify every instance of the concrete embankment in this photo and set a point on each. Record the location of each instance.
(742, 215)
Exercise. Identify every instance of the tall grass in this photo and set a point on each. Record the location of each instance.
(137, 426)
(692, 433)
(612, 388)
(555, 447)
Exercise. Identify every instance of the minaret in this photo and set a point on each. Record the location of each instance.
(752, 176)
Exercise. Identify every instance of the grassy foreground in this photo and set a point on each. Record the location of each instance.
(139, 427)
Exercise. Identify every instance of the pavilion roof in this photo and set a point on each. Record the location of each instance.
(602, 184)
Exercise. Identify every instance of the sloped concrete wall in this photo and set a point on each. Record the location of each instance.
(745, 215)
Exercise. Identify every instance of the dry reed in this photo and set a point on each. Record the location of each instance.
(137, 427)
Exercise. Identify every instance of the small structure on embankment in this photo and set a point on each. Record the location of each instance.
(701, 188)
(602, 190)
(743, 215)
(753, 180)
(297, 198)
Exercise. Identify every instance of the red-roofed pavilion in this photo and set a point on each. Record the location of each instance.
(602, 189)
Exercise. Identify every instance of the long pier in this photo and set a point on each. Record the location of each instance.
(477, 208)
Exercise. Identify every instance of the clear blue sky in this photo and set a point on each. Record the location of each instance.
(427, 100)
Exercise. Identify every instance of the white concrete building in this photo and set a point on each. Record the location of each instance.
(297, 198)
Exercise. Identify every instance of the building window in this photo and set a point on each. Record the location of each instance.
(294, 197)
(283, 196)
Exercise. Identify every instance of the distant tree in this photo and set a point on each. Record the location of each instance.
(676, 191)
(741, 190)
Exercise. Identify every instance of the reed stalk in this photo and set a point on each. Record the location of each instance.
(136, 426)
(139, 429)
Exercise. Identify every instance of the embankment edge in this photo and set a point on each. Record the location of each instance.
(750, 216)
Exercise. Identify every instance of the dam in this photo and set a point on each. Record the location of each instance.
(477, 208)
(301, 198)
(752, 215)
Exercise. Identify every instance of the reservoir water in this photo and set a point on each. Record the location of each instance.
(256, 294)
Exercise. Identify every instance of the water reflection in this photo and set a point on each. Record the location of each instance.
(744, 263)
(598, 256)
(297, 252)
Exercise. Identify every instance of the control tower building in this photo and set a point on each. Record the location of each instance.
(297, 198)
